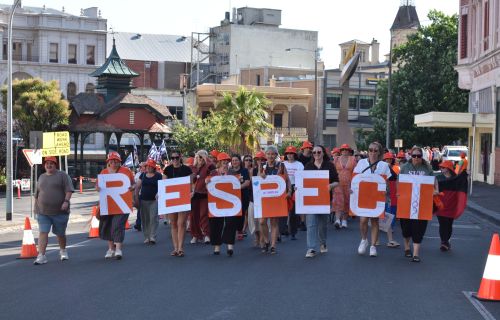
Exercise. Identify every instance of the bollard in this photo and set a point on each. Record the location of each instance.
(81, 184)
(19, 190)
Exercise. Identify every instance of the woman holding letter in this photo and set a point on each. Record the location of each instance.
(292, 165)
(112, 227)
(344, 164)
(317, 223)
(199, 205)
(222, 229)
(178, 219)
(238, 169)
(412, 228)
(371, 165)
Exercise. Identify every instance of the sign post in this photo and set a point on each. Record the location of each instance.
(398, 143)
(34, 157)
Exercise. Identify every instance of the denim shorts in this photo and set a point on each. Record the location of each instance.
(58, 223)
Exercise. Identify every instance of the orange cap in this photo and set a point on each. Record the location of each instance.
(401, 155)
(447, 164)
(335, 150)
(223, 156)
(151, 163)
(345, 146)
(260, 155)
(113, 155)
(306, 145)
(291, 149)
(462, 155)
(214, 153)
(53, 159)
(190, 161)
(389, 155)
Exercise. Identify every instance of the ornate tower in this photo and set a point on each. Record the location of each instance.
(405, 23)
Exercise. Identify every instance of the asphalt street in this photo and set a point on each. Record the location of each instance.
(150, 284)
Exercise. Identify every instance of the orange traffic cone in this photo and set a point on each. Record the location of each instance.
(490, 284)
(28, 249)
(127, 225)
(94, 224)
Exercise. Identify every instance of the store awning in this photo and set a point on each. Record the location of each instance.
(454, 120)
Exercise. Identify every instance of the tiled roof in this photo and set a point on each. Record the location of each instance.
(153, 47)
(144, 100)
(87, 103)
(114, 66)
(406, 18)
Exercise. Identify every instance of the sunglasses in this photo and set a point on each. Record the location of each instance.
(317, 152)
(248, 160)
(373, 150)
(416, 156)
(174, 158)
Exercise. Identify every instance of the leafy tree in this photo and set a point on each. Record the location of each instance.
(241, 119)
(425, 81)
(37, 106)
(198, 134)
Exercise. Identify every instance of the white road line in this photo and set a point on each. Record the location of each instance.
(460, 226)
(49, 251)
(478, 305)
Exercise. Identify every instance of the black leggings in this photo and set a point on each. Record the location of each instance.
(222, 230)
(445, 228)
(414, 229)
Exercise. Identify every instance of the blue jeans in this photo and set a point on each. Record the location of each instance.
(316, 228)
(58, 222)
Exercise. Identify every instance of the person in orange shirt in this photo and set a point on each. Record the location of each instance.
(463, 164)
(112, 227)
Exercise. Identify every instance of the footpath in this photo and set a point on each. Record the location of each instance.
(485, 202)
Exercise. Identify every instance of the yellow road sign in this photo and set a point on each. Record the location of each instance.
(56, 143)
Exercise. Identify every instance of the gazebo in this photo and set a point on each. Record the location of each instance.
(114, 109)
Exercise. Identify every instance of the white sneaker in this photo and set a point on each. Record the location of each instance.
(193, 240)
(362, 246)
(373, 251)
(109, 254)
(337, 224)
(206, 240)
(323, 248)
(40, 259)
(344, 224)
(118, 254)
(310, 253)
(63, 254)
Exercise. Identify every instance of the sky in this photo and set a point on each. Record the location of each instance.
(336, 21)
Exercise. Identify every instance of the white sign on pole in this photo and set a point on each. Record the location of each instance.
(34, 156)
(398, 143)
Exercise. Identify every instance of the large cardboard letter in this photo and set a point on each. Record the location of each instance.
(174, 195)
(224, 196)
(269, 196)
(368, 195)
(415, 197)
(114, 196)
(312, 195)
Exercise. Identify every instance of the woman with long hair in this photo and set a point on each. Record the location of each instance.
(415, 229)
(292, 166)
(237, 169)
(344, 164)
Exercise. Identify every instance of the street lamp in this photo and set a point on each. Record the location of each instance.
(317, 135)
(8, 195)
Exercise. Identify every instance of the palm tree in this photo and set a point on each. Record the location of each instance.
(242, 118)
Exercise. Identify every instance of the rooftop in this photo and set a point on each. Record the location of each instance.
(406, 18)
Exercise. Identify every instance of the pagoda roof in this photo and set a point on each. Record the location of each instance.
(114, 66)
(406, 18)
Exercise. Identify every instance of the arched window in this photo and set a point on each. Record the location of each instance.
(71, 91)
(90, 88)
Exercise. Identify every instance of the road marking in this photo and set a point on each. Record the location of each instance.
(460, 226)
(49, 251)
(453, 238)
(478, 305)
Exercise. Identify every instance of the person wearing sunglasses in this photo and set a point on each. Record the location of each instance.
(371, 165)
(237, 169)
(177, 220)
(413, 229)
(199, 204)
(344, 164)
(317, 223)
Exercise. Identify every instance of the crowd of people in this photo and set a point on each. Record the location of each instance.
(54, 190)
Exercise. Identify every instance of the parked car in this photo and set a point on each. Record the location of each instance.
(452, 153)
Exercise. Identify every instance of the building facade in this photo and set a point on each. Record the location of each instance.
(253, 38)
(479, 72)
(53, 44)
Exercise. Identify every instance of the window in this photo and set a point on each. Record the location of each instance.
(4, 55)
(353, 102)
(29, 52)
(176, 112)
(91, 55)
(17, 51)
(257, 80)
(333, 101)
(71, 91)
(72, 53)
(54, 53)
(366, 102)
(89, 88)
(463, 36)
(131, 117)
(486, 29)
(498, 121)
(278, 120)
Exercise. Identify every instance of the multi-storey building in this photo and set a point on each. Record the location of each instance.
(54, 45)
(253, 38)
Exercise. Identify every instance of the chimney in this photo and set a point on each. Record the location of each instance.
(375, 52)
(272, 82)
(90, 12)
